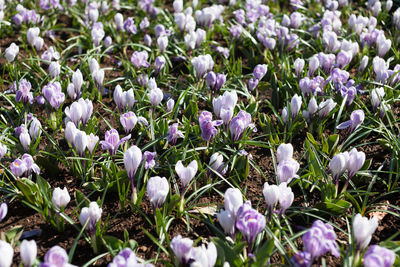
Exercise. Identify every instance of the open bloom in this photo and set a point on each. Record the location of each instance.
(24, 91)
(149, 157)
(53, 94)
(157, 190)
(202, 64)
(112, 141)
(127, 258)
(363, 230)
(356, 119)
(128, 121)
(186, 174)
(217, 163)
(207, 125)
(139, 59)
(204, 257)
(224, 106)
(174, 133)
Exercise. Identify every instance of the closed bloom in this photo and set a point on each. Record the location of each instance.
(285, 115)
(233, 200)
(112, 141)
(127, 258)
(239, 124)
(148, 158)
(301, 259)
(182, 248)
(325, 107)
(81, 142)
(60, 197)
(186, 174)
(287, 170)
(28, 251)
(157, 190)
(75, 112)
(379, 256)
(7, 254)
(356, 161)
(132, 160)
(202, 64)
(11, 52)
(215, 81)
(298, 66)
(174, 133)
(156, 96)
(139, 59)
(286, 197)
(3, 150)
(170, 105)
(35, 128)
(3, 211)
(54, 69)
(159, 64)
(383, 45)
(271, 195)
(128, 121)
(250, 222)
(363, 64)
(377, 94)
(91, 214)
(77, 80)
(53, 94)
(227, 221)
(56, 256)
(363, 230)
(224, 105)
(217, 163)
(338, 164)
(119, 21)
(24, 92)
(259, 71)
(162, 43)
(295, 105)
(93, 140)
(284, 152)
(204, 257)
(313, 66)
(70, 132)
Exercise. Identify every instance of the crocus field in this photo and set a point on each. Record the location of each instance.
(199, 133)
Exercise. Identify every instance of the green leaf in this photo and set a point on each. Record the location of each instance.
(335, 206)
(112, 242)
(264, 253)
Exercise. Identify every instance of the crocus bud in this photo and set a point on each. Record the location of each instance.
(12, 52)
(170, 105)
(377, 94)
(119, 21)
(54, 69)
(71, 91)
(3, 211)
(60, 197)
(379, 256)
(312, 106)
(25, 140)
(28, 251)
(383, 45)
(70, 132)
(325, 107)
(162, 43)
(81, 142)
(35, 129)
(271, 195)
(186, 174)
(295, 105)
(132, 160)
(156, 96)
(147, 40)
(313, 66)
(77, 80)
(182, 248)
(259, 71)
(356, 161)
(178, 6)
(233, 200)
(32, 34)
(128, 121)
(286, 197)
(159, 64)
(7, 254)
(75, 113)
(285, 115)
(363, 230)
(389, 5)
(363, 64)
(298, 66)
(284, 152)
(3, 150)
(98, 77)
(91, 214)
(338, 165)
(157, 190)
(227, 221)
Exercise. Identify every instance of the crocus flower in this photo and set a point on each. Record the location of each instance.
(92, 142)
(11, 52)
(35, 128)
(377, 94)
(356, 119)
(24, 92)
(25, 139)
(98, 77)
(97, 33)
(60, 197)
(325, 107)
(239, 124)
(202, 256)
(127, 258)
(320, 239)
(156, 96)
(56, 256)
(271, 195)
(182, 248)
(149, 157)
(70, 132)
(250, 222)
(215, 81)
(379, 256)
(128, 121)
(259, 71)
(174, 133)
(287, 169)
(159, 64)
(207, 125)
(3, 211)
(7, 254)
(233, 200)
(91, 214)
(139, 59)
(157, 190)
(186, 174)
(363, 230)
(162, 43)
(3, 150)
(28, 251)
(363, 63)
(81, 142)
(284, 152)
(74, 112)
(50, 54)
(129, 26)
(227, 221)
(53, 94)
(285, 198)
(170, 105)
(123, 99)
(356, 161)
(119, 21)
(132, 160)
(18, 167)
(383, 45)
(217, 163)
(202, 64)
(77, 80)
(313, 66)
(298, 66)
(112, 141)
(338, 165)
(54, 69)
(224, 106)
(285, 115)
(301, 259)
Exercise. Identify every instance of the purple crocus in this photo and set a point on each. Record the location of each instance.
(207, 125)
(24, 92)
(148, 158)
(379, 256)
(129, 26)
(139, 59)
(356, 119)
(239, 124)
(56, 256)
(301, 259)
(250, 222)
(174, 133)
(182, 248)
(215, 81)
(111, 141)
(159, 64)
(53, 94)
(259, 71)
